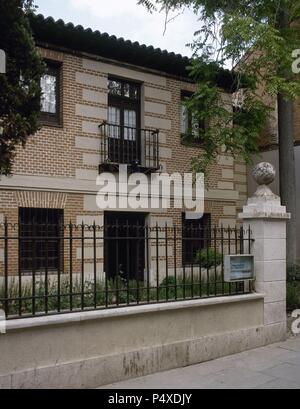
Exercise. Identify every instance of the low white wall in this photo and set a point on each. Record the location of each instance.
(86, 350)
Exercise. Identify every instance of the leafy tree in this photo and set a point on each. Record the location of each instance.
(259, 36)
(20, 91)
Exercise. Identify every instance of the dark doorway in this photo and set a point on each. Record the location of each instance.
(195, 237)
(125, 245)
(41, 239)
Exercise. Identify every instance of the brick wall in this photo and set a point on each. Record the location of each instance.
(59, 165)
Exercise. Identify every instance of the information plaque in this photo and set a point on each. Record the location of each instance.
(239, 268)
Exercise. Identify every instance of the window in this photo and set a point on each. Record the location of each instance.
(190, 128)
(50, 104)
(41, 244)
(124, 111)
(195, 236)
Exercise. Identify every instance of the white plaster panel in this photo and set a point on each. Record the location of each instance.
(158, 123)
(87, 143)
(1, 255)
(162, 250)
(241, 168)
(240, 178)
(89, 253)
(89, 203)
(91, 127)
(227, 174)
(227, 222)
(165, 153)
(225, 185)
(219, 194)
(91, 112)
(89, 220)
(86, 174)
(162, 138)
(161, 221)
(124, 72)
(91, 80)
(159, 94)
(95, 96)
(229, 210)
(155, 108)
(90, 159)
(225, 160)
(241, 188)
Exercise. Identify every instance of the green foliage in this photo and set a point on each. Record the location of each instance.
(208, 258)
(293, 295)
(293, 273)
(118, 293)
(20, 91)
(249, 33)
(293, 287)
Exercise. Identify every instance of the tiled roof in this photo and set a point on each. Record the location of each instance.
(60, 34)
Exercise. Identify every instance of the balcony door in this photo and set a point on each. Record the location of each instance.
(124, 106)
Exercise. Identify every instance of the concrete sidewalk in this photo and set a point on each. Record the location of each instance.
(272, 367)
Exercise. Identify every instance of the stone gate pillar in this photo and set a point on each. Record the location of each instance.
(267, 220)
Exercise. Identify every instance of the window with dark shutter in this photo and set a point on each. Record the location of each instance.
(191, 129)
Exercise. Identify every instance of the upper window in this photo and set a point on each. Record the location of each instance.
(50, 94)
(190, 128)
(123, 89)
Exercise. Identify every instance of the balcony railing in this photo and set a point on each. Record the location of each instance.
(138, 148)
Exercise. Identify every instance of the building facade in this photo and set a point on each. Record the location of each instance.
(106, 102)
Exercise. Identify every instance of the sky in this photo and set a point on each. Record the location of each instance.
(124, 18)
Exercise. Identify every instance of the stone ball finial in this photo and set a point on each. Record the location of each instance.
(264, 173)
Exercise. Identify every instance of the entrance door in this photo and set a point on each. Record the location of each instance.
(125, 245)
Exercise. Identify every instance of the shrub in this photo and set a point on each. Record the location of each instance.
(293, 295)
(208, 258)
(293, 273)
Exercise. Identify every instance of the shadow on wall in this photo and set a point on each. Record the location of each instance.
(272, 157)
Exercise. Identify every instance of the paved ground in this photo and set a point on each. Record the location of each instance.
(273, 367)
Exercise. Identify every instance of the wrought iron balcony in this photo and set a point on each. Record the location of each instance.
(137, 148)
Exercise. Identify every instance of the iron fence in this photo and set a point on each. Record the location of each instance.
(69, 268)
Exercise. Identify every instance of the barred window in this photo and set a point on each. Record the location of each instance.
(41, 246)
